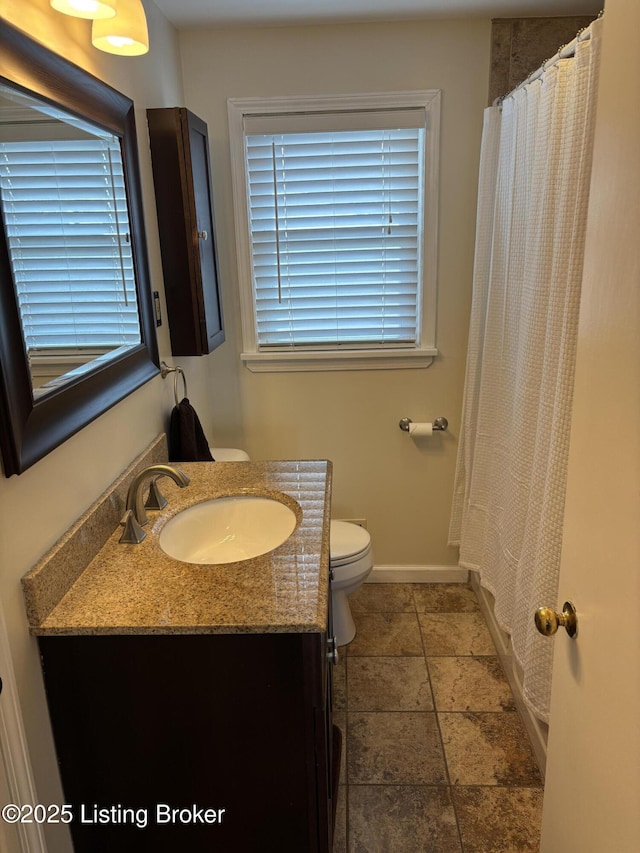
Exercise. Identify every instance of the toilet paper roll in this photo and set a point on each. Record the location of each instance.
(418, 430)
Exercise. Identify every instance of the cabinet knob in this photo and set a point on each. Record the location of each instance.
(332, 650)
(202, 235)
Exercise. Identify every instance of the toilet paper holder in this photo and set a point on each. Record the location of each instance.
(439, 424)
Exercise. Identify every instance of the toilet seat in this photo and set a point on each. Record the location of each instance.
(348, 543)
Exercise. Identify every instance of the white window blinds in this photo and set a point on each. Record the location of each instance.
(69, 243)
(336, 233)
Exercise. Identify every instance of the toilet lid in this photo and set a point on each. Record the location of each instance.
(347, 540)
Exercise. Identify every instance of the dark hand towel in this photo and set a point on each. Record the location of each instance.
(187, 441)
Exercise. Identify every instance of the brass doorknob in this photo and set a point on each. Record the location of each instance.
(548, 621)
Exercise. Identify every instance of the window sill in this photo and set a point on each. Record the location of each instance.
(287, 362)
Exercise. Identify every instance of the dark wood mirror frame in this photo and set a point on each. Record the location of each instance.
(29, 430)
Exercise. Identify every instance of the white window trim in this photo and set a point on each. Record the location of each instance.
(419, 356)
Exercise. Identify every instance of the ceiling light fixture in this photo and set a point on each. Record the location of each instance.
(92, 9)
(125, 34)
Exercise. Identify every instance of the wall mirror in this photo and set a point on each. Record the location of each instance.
(77, 332)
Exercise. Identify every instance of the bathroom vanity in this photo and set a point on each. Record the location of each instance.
(191, 705)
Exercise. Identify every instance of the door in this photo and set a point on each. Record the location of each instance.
(592, 792)
(9, 840)
(16, 778)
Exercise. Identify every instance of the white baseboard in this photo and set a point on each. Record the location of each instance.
(418, 574)
(537, 730)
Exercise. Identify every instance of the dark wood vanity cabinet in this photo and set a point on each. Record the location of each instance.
(194, 723)
(184, 203)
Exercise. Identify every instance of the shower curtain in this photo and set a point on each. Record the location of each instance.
(510, 478)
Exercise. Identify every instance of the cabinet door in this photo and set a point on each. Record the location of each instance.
(210, 308)
(184, 204)
(213, 721)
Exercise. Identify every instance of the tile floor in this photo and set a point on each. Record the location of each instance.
(435, 756)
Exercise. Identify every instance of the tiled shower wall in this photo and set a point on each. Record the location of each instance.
(520, 45)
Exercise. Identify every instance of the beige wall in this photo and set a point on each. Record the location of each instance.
(351, 417)
(37, 507)
(402, 489)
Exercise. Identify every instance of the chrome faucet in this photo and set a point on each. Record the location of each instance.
(135, 514)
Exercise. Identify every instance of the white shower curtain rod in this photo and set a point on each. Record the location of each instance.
(565, 52)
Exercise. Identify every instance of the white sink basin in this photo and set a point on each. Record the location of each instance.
(226, 530)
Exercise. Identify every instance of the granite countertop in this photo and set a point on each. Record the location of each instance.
(138, 589)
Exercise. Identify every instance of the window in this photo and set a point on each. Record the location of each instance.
(336, 202)
(70, 249)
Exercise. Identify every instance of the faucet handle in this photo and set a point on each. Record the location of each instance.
(132, 534)
(134, 497)
(155, 498)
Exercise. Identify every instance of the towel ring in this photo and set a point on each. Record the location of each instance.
(165, 370)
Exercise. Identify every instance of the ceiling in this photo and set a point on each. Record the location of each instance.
(188, 13)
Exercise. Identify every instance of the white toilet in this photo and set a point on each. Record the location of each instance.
(229, 454)
(350, 559)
